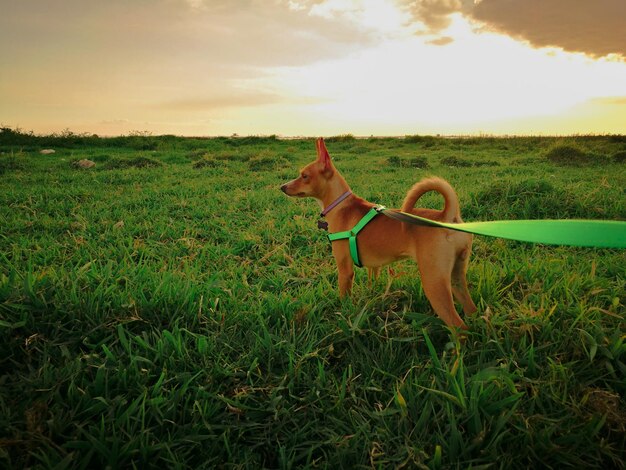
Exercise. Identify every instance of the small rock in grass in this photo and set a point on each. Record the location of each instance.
(84, 163)
(47, 151)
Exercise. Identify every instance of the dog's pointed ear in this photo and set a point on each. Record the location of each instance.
(323, 156)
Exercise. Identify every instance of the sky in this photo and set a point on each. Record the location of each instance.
(314, 67)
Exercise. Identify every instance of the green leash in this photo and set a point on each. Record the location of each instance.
(573, 232)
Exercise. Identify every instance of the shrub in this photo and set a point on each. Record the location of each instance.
(174, 159)
(567, 155)
(206, 162)
(265, 161)
(341, 138)
(455, 161)
(485, 163)
(395, 161)
(425, 140)
(529, 199)
(415, 162)
(461, 162)
(419, 162)
(10, 163)
(196, 154)
(236, 141)
(360, 149)
(620, 157)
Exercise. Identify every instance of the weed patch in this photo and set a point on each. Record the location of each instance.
(266, 161)
(232, 156)
(136, 162)
(101, 157)
(567, 155)
(485, 163)
(415, 162)
(455, 162)
(529, 199)
(426, 141)
(619, 157)
(11, 163)
(341, 138)
(196, 154)
(174, 159)
(525, 161)
(206, 162)
(236, 141)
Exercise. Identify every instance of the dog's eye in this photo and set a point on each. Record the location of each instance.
(305, 176)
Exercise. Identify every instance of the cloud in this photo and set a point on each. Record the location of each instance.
(595, 28)
(441, 41)
(252, 32)
(433, 14)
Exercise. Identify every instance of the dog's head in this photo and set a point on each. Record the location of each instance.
(314, 177)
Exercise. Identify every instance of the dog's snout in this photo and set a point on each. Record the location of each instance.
(283, 188)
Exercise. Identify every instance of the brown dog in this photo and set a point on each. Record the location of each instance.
(442, 255)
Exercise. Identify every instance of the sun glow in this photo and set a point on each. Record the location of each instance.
(474, 82)
(380, 16)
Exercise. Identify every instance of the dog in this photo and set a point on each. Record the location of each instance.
(442, 255)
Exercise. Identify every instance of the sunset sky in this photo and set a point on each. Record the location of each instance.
(314, 67)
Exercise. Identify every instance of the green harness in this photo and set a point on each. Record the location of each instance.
(351, 234)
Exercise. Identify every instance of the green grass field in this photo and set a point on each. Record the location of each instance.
(170, 307)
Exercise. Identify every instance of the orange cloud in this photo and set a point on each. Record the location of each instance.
(596, 28)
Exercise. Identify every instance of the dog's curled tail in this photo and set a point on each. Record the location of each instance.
(451, 211)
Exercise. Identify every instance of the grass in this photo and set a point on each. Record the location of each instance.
(186, 314)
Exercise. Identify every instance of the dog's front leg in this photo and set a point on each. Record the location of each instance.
(346, 276)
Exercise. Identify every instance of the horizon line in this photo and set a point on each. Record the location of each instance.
(66, 133)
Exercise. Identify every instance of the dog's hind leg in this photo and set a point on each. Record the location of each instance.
(459, 283)
(439, 294)
(372, 275)
(436, 261)
(437, 284)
